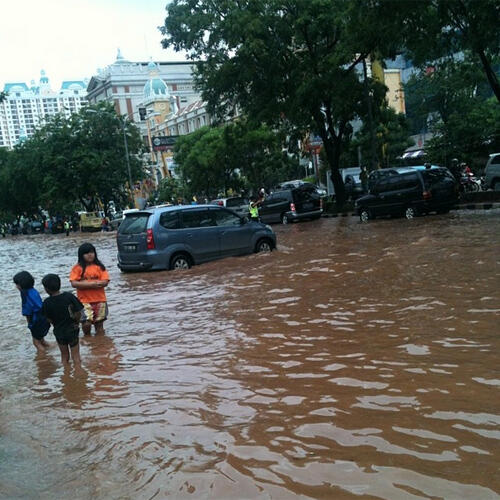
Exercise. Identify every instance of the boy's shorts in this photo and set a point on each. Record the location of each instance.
(40, 328)
(94, 312)
(71, 340)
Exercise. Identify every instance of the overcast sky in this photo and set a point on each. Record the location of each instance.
(70, 39)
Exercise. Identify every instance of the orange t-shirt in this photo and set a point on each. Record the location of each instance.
(92, 273)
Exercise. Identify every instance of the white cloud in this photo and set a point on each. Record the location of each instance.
(70, 39)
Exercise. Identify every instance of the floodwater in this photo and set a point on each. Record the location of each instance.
(358, 360)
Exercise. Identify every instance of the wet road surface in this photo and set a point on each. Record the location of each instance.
(359, 360)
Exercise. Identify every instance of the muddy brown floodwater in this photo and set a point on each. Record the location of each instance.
(359, 360)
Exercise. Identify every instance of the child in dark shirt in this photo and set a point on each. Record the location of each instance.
(31, 308)
(64, 311)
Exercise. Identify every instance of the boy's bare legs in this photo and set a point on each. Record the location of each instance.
(99, 328)
(40, 345)
(75, 355)
(86, 326)
(64, 354)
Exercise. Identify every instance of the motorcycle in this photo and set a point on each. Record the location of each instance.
(469, 183)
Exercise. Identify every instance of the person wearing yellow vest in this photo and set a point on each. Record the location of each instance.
(253, 208)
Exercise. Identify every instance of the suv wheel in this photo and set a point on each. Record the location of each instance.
(364, 215)
(410, 213)
(263, 246)
(180, 262)
(285, 219)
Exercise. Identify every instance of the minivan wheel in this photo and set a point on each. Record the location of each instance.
(180, 262)
(364, 215)
(285, 219)
(410, 213)
(264, 246)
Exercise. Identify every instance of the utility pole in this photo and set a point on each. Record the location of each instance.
(373, 153)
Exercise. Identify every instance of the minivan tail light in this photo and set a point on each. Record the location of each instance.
(292, 207)
(150, 241)
(427, 195)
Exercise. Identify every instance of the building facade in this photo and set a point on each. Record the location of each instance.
(28, 107)
(123, 83)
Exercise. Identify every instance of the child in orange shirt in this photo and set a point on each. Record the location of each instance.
(89, 277)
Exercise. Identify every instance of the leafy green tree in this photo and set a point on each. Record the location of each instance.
(433, 29)
(231, 158)
(391, 138)
(75, 160)
(169, 191)
(470, 134)
(280, 62)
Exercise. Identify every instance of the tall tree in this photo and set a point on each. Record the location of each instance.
(80, 159)
(433, 29)
(280, 61)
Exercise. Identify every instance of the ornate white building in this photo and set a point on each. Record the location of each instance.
(129, 85)
(26, 108)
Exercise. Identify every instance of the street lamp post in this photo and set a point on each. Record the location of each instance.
(125, 143)
(127, 159)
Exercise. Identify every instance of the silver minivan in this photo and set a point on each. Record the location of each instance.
(492, 172)
(178, 237)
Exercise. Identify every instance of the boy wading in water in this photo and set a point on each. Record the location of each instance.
(89, 277)
(31, 309)
(64, 311)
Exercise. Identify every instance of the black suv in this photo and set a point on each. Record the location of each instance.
(410, 192)
(288, 205)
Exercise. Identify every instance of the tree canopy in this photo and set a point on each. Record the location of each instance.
(70, 162)
(284, 63)
(231, 158)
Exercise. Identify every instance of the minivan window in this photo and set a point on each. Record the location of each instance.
(435, 175)
(170, 220)
(226, 218)
(403, 181)
(305, 194)
(134, 223)
(197, 218)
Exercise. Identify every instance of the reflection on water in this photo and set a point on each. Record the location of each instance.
(358, 360)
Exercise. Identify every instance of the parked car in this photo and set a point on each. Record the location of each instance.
(33, 227)
(492, 172)
(288, 205)
(91, 221)
(353, 186)
(410, 192)
(116, 220)
(300, 183)
(238, 204)
(178, 237)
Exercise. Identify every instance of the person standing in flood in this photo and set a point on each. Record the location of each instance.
(32, 309)
(89, 277)
(64, 311)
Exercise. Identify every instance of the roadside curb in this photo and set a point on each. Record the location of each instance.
(343, 214)
(461, 206)
(476, 206)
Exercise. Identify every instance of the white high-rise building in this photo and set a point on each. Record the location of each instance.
(27, 108)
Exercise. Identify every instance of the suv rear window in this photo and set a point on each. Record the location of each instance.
(436, 175)
(134, 223)
(236, 202)
(305, 194)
